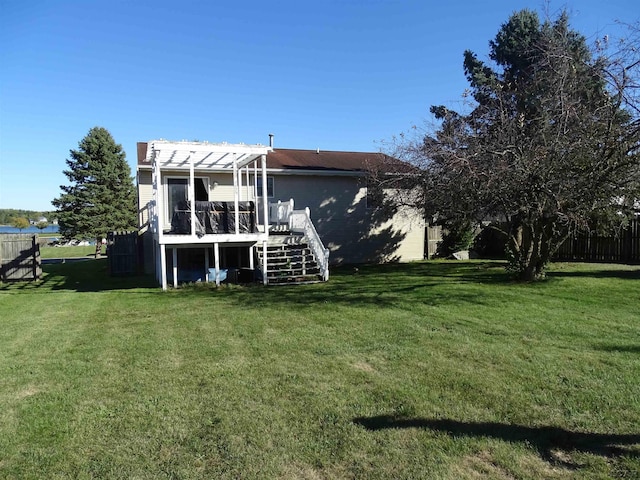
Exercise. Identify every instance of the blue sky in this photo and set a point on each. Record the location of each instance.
(335, 75)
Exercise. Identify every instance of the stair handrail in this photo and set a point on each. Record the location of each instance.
(300, 222)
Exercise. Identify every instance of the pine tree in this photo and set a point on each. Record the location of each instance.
(101, 196)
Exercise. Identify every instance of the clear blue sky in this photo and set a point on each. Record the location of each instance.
(335, 75)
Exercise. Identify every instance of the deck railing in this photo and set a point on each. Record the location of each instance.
(279, 212)
(300, 221)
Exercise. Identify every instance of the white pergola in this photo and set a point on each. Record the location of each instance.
(203, 157)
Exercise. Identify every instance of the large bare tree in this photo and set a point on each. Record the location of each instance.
(548, 145)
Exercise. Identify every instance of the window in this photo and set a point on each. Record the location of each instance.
(177, 190)
(269, 186)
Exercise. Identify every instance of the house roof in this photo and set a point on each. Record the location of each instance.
(296, 159)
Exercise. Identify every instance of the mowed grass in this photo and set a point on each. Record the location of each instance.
(426, 370)
(47, 252)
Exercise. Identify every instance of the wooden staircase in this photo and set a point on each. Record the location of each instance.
(290, 260)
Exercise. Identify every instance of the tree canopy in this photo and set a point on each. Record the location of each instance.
(20, 223)
(101, 195)
(549, 144)
(6, 214)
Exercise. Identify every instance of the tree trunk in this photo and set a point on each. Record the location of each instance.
(533, 271)
(531, 258)
(98, 247)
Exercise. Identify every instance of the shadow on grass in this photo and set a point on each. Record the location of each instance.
(547, 440)
(624, 274)
(53, 261)
(620, 348)
(85, 275)
(427, 283)
(486, 272)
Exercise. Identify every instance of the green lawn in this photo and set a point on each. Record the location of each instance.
(427, 370)
(68, 252)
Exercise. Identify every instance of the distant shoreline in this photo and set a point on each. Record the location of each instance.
(51, 229)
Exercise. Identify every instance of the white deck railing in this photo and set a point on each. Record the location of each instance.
(279, 212)
(300, 221)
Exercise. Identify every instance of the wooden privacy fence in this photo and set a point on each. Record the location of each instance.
(621, 248)
(122, 253)
(19, 257)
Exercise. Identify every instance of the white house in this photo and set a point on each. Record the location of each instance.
(265, 213)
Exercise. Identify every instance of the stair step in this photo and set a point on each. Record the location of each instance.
(291, 261)
(289, 272)
(281, 246)
(281, 262)
(295, 279)
(288, 249)
(290, 254)
(280, 278)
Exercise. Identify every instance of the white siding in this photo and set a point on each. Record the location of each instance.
(353, 232)
(145, 195)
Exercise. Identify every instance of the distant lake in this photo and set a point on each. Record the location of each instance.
(31, 229)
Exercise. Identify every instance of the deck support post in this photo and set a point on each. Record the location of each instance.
(192, 196)
(264, 262)
(206, 264)
(175, 267)
(158, 201)
(163, 266)
(265, 194)
(247, 179)
(236, 195)
(216, 259)
(255, 192)
(251, 255)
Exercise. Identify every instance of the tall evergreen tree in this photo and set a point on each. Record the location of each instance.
(101, 196)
